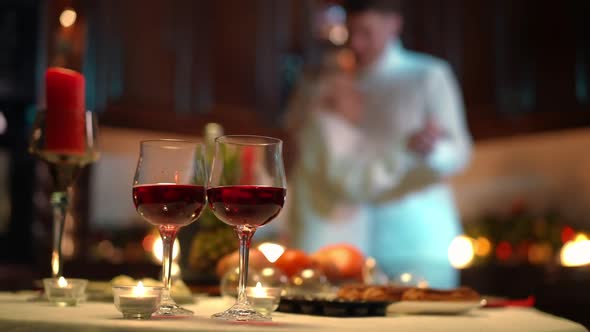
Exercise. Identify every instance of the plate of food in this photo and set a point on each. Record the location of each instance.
(354, 300)
(441, 302)
(359, 300)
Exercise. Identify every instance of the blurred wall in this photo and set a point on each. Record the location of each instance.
(547, 171)
(112, 176)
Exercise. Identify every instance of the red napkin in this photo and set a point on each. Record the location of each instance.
(500, 303)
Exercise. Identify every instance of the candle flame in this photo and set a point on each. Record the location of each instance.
(62, 282)
(54, 263)
(139, 290)
(259, 291)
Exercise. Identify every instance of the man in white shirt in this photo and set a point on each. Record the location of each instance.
(376, 179)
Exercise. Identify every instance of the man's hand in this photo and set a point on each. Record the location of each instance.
(422, 142)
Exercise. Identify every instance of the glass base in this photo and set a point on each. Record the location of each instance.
(172, 310)
(242, 313)
(65, 302)
(138, 316)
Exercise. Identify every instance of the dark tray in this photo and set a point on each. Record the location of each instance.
(334, 308)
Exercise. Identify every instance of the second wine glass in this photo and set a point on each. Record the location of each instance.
(169, 192)
(246, 190)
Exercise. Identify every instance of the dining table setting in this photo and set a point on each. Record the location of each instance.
(19, 313)
(243, 184)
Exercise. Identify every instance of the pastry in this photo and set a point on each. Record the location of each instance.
(371, 293)
(426, 294)
(360, 292)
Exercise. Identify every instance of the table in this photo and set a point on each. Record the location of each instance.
(19, 315)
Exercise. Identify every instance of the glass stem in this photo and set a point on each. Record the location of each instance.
(60, 203)
(245, 235)
(168, 235)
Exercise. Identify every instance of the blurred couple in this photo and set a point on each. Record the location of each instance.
(375, 147)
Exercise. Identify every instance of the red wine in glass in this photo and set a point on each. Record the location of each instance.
(246, 205)
(246, 190)
(169, 204)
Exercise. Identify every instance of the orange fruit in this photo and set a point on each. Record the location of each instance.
(340, 261)
(292, 261)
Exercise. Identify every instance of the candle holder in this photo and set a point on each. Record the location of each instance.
(310, 282)
(65, 292)
(64, 166)
(264, 299)
(229, 283)
(137, 302)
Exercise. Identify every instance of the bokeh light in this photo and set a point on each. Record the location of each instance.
(68, 17)
(576, 252)
(271, 251)
(158, 247)
(338, 34)
(461, 252)
(483, 246)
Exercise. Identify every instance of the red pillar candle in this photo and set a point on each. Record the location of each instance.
(65, 114)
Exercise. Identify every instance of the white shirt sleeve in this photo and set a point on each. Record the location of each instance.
(445, 104)
(452, 153)
(343, 158)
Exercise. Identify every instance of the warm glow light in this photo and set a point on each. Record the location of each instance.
(68, 18)
(139, 290)
(405, 277)
(575, 253)
(62, 282)
(422, 284)
(540, 253)
(298, 281)
(581, 237)
(174, 269)
(338, 34)
(307, 273)
(268, 272)
(259, 291)
(148, 242)
(271, 251)
(483, 246)
(460, 252)
(158, 247)
(54, 263)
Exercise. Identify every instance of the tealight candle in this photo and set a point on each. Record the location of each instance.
(264, 299)
(65, 292)
(137, 302)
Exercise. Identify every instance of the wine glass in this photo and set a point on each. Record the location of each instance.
(246, 190)
(169, 192)
(66, 151)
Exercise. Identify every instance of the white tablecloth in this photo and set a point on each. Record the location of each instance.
(19, 315)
